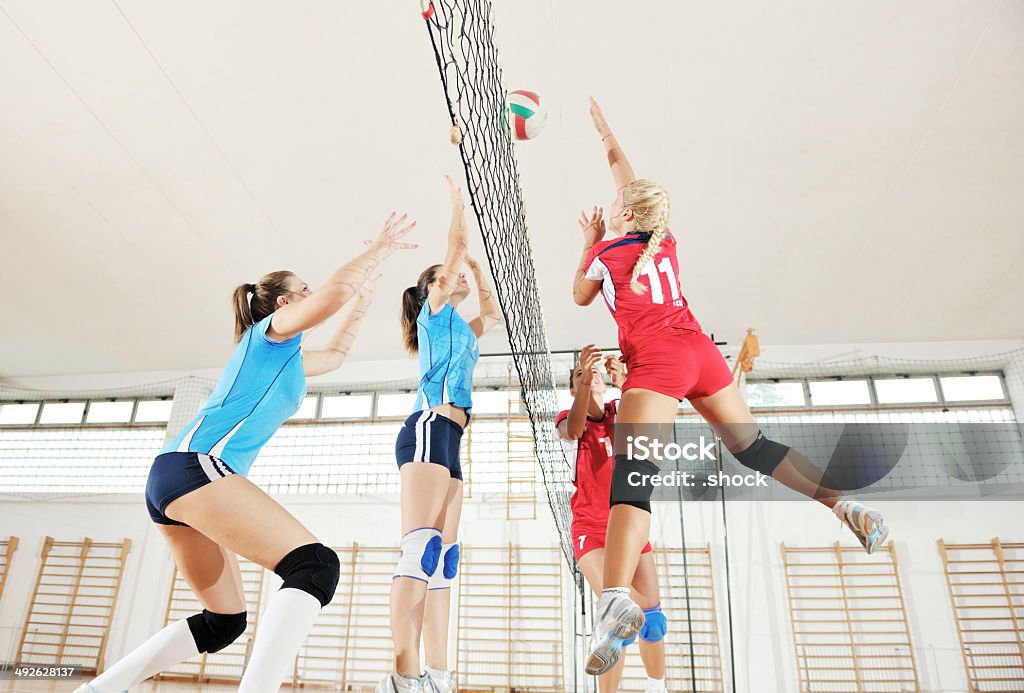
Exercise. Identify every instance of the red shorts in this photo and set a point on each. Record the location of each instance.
(582, 544)
(679, 363)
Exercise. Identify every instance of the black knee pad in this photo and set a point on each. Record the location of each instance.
(631, 482)
(314, 569)
(213, 632)
(763, 455)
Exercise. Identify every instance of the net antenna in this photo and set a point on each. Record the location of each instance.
(463, 38)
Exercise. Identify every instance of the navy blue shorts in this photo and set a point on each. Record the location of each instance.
(426, 436)
(174, 474)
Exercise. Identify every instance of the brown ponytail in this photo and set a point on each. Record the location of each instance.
(413, 299)
(253, 302)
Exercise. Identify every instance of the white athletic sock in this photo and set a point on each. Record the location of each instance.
(655, 684)
(170, 646)
(443, 679)
(283, 628)
(620, 590)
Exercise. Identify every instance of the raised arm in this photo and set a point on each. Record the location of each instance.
(490, 312)
(458, 242)
(330, 358)
(292, 318)
(583, 403)
(584, 289)
(622, 172)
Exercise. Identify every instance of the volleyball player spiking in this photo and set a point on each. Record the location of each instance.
(209, 512)
(427, 452)
(586, 432)
(668, 359)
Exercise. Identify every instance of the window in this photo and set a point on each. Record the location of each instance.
(396, 404)
(153, 411)
(826, 393)
(306, 410)
(491, 401)
(109, 412)
(346, 406)
(18, 414)
(904, 390)
(62, 413)
(775, 394)
(970, 388)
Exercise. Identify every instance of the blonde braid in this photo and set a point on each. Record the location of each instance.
(650, 206)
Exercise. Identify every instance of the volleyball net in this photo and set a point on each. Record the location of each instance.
(463, 40)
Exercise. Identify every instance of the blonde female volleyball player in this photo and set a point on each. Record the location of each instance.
(427, 452)
(668, 358)
(208, 511)
(586, 431)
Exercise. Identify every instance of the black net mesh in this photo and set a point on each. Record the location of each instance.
(462, 35)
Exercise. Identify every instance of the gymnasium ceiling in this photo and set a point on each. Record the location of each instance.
(841, 172)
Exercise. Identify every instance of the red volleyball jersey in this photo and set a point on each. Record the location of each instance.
(640, 317)
(591, 459)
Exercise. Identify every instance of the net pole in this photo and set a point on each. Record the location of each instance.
(575, 640)
(728, 578)
(686, 579)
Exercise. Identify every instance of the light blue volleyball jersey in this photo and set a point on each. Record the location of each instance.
(448, 351)
(262, 385)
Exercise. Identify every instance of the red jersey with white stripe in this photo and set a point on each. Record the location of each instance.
(640, 317)
(591, 459)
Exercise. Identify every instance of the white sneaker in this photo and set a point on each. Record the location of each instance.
(86, 688)
(394, 683)
(866, 524)
(656, 686)
(617, 618)
(444, 682)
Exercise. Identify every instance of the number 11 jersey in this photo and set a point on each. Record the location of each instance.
(640, 317)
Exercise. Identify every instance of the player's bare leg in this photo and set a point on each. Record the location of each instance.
(727, 413)
(618, 617)
(647, 595)
(592, 566)
(437, 611)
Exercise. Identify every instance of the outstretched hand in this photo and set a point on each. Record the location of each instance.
(455, 193)
(600, 124)
(592, 226)
(389, 239)
(590, 356)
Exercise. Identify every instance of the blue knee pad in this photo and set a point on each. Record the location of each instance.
(442, 578)
(421, 552)
(655, 626)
